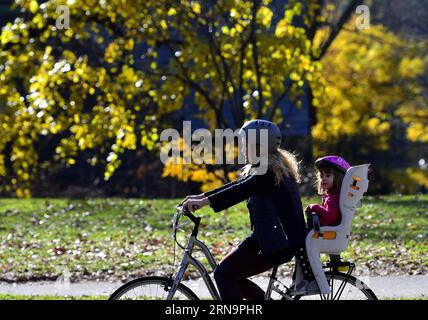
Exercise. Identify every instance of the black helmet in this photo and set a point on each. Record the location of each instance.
(274, 133)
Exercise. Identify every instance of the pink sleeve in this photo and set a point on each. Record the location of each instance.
(329, 212)
(332, 215)
(319, 210)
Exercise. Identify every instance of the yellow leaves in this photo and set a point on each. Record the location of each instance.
(7, 35)
(228, 50)
(330, 7)
(56, 85)
(368, 87)
(38, 20)
(112, 157)
(285, 29)
(111, 168)
(3, 90)
(419, 176)
(277, 55)
(382, 75)
(2, 166)
(281, 28)
(373, 123)
(264, 16)
(69, 33)
(177, 171)
(172, 12)
(288, 17)
(120, 86)
(23, 193)
(112, 52)
(417, 131)
(93, 161)
(163, 24)
(130, 141)
(377, 127)
(149, 139)
(294, 76)
(55, 128)
(69, 56)
(248, 74)
(196, 7)
(410, 179)
(48, 51)
(129, 44)
(34, 6)
(181, 164)
(412, 68)
(239, 28)
(201, 174)
(234, 13)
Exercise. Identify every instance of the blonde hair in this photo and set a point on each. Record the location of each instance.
(282, 163)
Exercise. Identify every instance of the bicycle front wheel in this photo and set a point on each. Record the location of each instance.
(343, 287)
(151, 288)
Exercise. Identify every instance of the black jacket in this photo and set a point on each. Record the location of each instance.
(276, 212)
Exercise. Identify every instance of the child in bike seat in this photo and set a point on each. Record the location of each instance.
(330, 173)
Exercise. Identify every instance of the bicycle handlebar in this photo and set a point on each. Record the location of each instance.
(193, 218)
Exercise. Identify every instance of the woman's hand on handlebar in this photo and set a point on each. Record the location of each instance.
(194, 197)
(193, 204)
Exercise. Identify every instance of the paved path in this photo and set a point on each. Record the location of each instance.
(383, 287)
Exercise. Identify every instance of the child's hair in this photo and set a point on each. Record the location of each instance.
(337, 177)
(282, 163)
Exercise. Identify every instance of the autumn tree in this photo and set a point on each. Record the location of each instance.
(375, 96)
(110, 80)
(78, 87)
(255, 56)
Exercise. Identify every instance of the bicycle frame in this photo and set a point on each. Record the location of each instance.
(188, 259)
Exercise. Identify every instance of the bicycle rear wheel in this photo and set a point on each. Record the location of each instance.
(151, 288)
(343, 287)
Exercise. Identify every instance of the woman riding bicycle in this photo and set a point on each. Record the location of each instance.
(276, 213)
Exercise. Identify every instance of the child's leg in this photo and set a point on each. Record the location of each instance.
(302, 257)
(308, 285)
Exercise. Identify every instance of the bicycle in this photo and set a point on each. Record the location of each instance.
(169, 288)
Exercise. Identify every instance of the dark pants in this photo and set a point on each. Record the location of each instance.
(241, 263)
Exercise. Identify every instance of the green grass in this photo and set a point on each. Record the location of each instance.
(124, 238)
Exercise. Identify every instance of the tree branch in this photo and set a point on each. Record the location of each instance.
(336, 29)
(256, 59)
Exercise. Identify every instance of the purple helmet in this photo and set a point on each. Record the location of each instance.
(335, 161)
